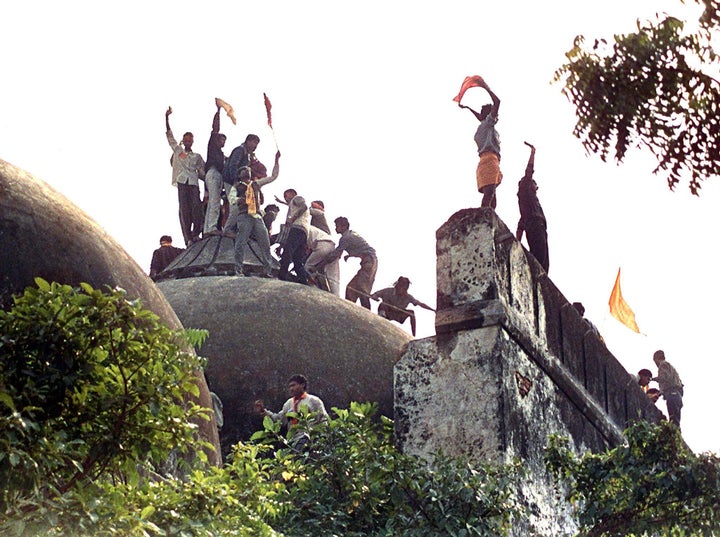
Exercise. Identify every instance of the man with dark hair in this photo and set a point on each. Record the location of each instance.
(298, 220)
(488, 174)
(360, 286)
(213, 176)
(644, 376)
(395, 301)
(299, 399)
(188, 169)
(532, 218)
(271, 211)
(163, 256)
(317, 216)
(242, 155)
(248, 223)
(671, 387)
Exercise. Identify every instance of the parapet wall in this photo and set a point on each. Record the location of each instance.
(512, 361)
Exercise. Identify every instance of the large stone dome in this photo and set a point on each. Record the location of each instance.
(43, 234)
(262, 331)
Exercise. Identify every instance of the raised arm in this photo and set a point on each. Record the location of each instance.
(216, 120)
(167, 119)
(495, 98)
(274, 175)
(530, 168)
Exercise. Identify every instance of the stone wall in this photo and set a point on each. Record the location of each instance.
(512, 362)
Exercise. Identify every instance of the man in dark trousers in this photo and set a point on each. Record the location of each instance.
(532, 218)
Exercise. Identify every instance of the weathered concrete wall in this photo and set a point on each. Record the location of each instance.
(512, 362)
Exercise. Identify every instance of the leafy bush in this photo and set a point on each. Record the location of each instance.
(352, 481)
(92, 387)
(652, 485)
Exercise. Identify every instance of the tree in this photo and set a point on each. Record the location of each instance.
(92, 389)
(652, 485)
(654, 88)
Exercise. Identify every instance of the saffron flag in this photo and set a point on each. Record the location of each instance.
(469, 82)
(268, 107)
(620, 309)
(228, 109)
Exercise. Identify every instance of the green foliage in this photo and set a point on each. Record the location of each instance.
(93, 394)
(652, 485)
(352, 482)
(651, 88)
(92, 387)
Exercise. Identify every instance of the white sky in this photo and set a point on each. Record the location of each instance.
(363, 114)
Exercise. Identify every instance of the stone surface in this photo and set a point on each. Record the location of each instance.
(512, 363)
(44, 234)
(262, 331)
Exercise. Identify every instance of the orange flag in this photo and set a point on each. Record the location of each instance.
(469, 82)
(268, 107)
(620, 309)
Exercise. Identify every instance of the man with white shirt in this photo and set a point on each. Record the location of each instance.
(321, 245)
(188, 169)
(298, 220)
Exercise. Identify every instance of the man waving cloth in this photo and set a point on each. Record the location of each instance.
(488, 172)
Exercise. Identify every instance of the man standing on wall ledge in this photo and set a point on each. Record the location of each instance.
(532, 218)
(671, 387)
(488, 172)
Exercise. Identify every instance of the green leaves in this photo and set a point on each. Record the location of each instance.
(92, 387)
(652, 485)
(651, 89)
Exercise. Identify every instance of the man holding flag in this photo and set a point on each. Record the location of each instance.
(488, 172)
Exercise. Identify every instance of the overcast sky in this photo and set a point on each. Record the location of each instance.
(363, 114)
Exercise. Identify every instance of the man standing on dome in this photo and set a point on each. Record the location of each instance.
(298, 220)
(360, 286)
(242, 155)
(213, 176)
(188, 169)
(246, 197)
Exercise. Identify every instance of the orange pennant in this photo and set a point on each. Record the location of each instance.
(620, 309)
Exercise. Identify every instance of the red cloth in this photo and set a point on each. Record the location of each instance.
(296, 403)
(469, 82)
(268, 107)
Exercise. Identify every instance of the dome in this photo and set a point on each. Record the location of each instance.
(44, 234)
(262, 331)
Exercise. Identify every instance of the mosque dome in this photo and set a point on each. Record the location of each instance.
(44, 234)
(262, 331)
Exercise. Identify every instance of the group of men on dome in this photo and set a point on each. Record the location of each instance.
(304, 240)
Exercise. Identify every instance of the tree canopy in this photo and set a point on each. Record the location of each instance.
(654, 88)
